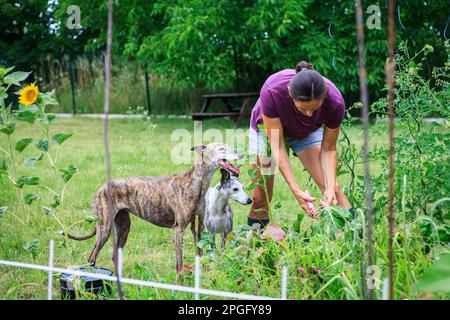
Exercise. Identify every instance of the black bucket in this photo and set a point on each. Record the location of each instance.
(92, 284)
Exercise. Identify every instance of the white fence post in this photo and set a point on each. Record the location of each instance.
(50, 273)
(119, 263)
(385, 291)
(284, 283)
(197, 276)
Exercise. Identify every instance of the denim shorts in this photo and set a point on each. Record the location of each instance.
(259, 145)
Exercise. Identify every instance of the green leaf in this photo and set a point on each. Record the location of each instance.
(48, 210)
(59, 138)
(29, 198)
(8, 129)
(33, 247)
(55, 202)
(27, 180)
(3, 167)
(437, 276)
(4, 71)
(91, 218)
(42, 145)
(51, 117)
(23, 143)
(298, 222)
(27, 116)
(32, 108)
(3, 94)
(16, 77)
(31, 161)
(253, 173)
(2, 211)
(251, 186)
(48, 98)
(68, 173)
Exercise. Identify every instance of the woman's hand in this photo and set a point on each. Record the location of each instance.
(305, 201)
(329, 198)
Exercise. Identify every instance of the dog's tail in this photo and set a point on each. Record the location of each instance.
(80, 237)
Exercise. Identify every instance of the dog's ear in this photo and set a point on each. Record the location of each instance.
(225, 177)
(199, 148)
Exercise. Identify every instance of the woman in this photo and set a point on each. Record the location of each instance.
(307, 109)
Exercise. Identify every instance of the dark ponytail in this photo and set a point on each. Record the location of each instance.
(303, 65)
(307, 84)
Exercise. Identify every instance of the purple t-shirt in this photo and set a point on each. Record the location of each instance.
(274, 102)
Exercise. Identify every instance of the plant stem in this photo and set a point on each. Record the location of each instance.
(13, 164)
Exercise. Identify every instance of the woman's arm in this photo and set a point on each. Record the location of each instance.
(276, 141)
(328, 162)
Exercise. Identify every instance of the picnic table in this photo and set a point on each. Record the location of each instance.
(230, 110)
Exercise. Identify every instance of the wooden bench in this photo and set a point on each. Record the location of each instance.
(231, 111)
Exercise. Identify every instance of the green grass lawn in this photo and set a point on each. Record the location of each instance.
(137, 148)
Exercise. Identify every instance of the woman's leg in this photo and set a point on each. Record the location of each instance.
(259, 208)
(310, 159)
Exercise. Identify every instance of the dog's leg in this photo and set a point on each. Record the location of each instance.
(214, 240)
(122, 223)
(103, 231)
(224, 235)
(199, 233)
(179, 232)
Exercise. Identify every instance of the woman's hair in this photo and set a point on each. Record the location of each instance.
(307, 84)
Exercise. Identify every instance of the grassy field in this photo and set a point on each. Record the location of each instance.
(144, 148)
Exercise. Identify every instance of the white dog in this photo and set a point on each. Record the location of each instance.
(218, 213)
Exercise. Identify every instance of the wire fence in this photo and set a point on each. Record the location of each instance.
(196, 290)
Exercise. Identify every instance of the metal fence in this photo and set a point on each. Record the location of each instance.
(197, 290)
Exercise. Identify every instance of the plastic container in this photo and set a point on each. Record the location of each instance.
(90, 284)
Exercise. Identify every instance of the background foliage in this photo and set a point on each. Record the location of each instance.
(204, 45)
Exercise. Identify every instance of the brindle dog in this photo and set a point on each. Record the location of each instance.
(166, 201)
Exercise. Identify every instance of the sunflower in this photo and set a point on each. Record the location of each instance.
(28, 95)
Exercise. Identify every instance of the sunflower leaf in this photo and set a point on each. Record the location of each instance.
(59, 138)
(32, 108)
(67, 174)
(8, 129)
(27, 180)
(48, 98)
(51, 117)
(48, 211)
(31, 161)
(3, 94)
(42, 145)
(4, 71)
(22, 144)
(29, 198)
(55, 202)
(26, 116)
(16, 77)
